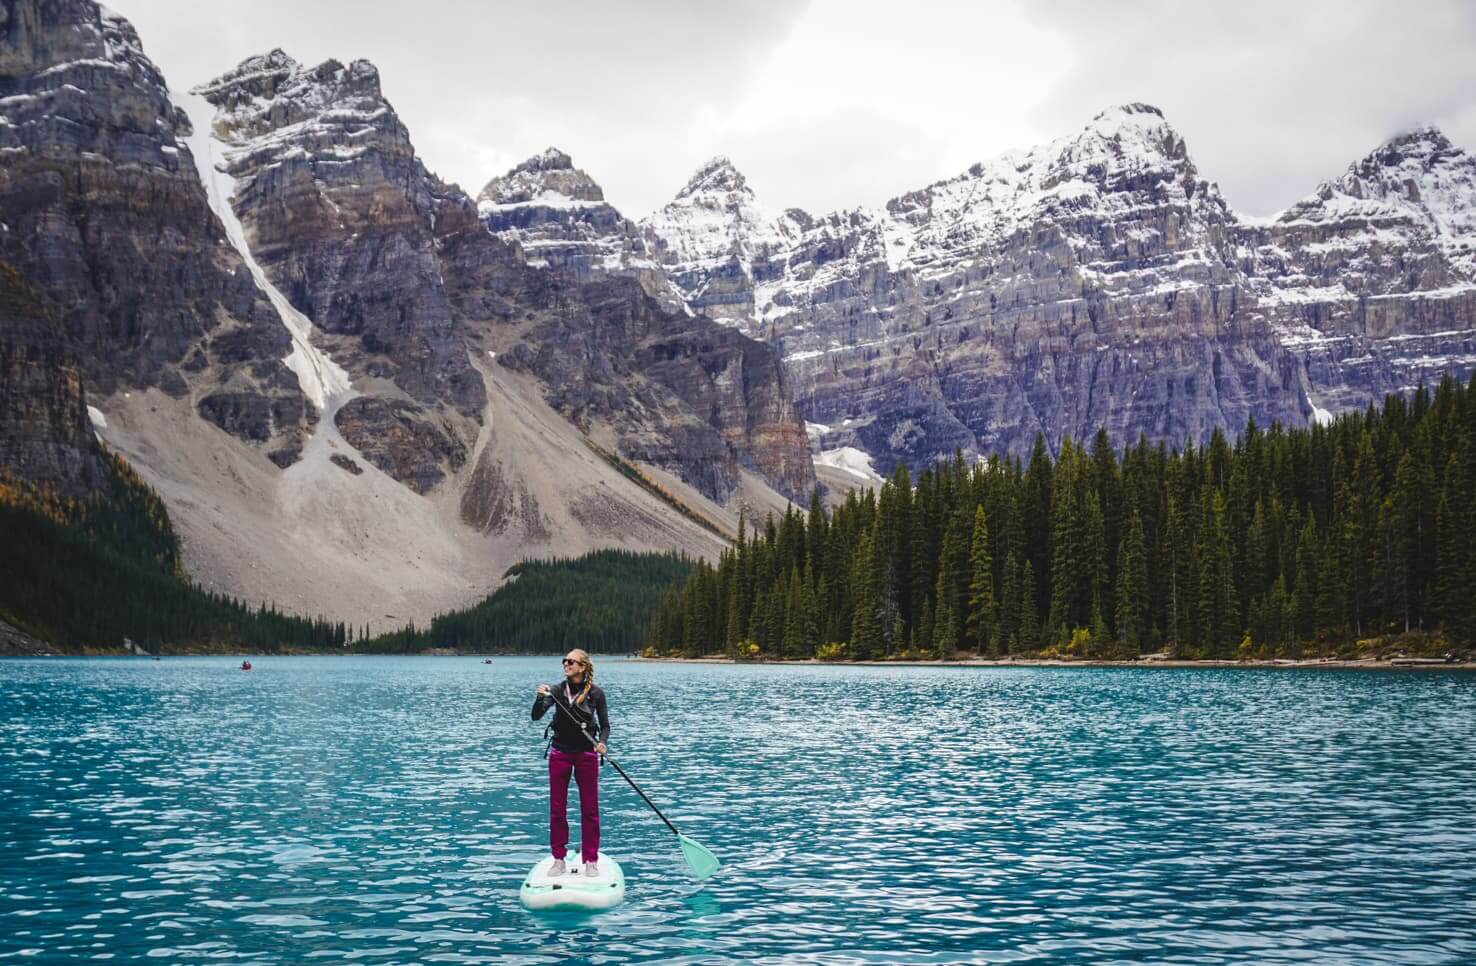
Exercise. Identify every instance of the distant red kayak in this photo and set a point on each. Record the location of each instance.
(245, 665)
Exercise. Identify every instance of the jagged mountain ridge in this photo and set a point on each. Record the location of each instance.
(1098, 280)
(362, 238)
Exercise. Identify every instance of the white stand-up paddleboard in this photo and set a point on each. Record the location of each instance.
(574, 889)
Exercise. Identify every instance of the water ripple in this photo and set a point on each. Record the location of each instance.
(384, 811)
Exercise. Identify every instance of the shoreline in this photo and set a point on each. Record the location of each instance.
(1286, 664)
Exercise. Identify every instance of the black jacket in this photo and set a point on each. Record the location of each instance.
(566, 733)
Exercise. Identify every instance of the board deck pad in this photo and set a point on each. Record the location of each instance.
(573, 889)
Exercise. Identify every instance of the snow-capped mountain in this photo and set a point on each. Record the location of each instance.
(1401, 219)
(1371, 280)
(1096, 281)
(716, 239)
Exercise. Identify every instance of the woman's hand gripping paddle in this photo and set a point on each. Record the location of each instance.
(699, 857)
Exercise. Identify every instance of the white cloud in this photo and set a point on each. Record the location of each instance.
(862, 101)
(833, 104)
(1272, 97)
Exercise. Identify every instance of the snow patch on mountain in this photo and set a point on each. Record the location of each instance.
(850, 459)
(322, 380)
(1416, 182)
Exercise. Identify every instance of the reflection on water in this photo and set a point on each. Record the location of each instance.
(385, 809)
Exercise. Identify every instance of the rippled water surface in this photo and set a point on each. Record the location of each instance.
(381, 810)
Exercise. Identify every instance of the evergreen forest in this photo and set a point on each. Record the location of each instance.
(1287, 543)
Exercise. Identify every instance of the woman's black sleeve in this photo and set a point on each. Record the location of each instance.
(540, 705)
(603, 710)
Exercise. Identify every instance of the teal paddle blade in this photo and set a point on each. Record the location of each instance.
(699, 859)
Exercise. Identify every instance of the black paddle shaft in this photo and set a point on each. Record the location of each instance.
(628, 780)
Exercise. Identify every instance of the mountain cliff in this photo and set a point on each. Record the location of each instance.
(105, 218)
(363, 240)
(1096, 281)
(46, 435)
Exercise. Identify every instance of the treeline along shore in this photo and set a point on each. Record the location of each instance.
(1348, 539)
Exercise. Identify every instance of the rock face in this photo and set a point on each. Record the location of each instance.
(559, 216)
(352, 228)
(676, 389)
(681, 392)
(105, 216)
(340, 214)
(1097, 281)
(45, 434)
(1371, 280)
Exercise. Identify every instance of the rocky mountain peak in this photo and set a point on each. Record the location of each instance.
(717, 176)
(1419, 159)
(267, 93)
(1416, 191)
(1404, 168)
(552, 159)
(41, 36)
(1133, 135)
(1425, 141)
(106, 216)
(549, 176)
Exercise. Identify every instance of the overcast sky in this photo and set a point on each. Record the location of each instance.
(836, 103)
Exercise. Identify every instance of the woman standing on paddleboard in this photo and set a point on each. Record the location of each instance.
(571, 752)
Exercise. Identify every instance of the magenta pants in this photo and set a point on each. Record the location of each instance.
(585, 766)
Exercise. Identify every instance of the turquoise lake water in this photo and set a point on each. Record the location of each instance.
(384, 810)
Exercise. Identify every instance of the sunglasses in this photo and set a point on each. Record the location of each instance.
(572, 661)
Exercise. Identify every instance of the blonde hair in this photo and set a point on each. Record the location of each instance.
(589, 674)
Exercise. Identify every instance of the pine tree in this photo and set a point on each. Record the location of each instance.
(1029, 621)
(946, 624)
(949, 614)
(1217, 609)
(1009, 611)
(794, 618)
(922, 638)
(1455, 587)
(983, 622)
(809, 629)
(866, 636)
(758, 631)
(733, 635)
(1132, 586)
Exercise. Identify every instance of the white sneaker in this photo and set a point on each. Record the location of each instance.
(558, 867)
(591, 869)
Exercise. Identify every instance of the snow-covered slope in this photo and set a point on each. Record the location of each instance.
(320, 378)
